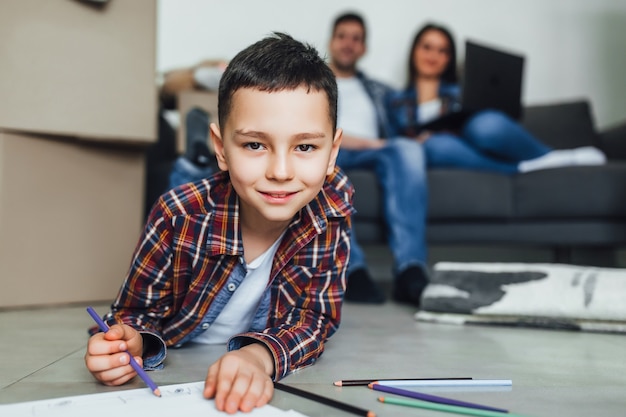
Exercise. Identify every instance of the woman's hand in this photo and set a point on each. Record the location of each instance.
(424, 136)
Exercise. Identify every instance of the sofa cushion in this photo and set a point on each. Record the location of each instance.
(453, 194)
(367, 194)
(562, 125)
(461, 195)
(572, 193)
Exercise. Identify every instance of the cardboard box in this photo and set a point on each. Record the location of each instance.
(206, 100)
(70, 216)
(73, 68)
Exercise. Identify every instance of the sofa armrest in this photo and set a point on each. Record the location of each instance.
(563, 125)
(613, 141)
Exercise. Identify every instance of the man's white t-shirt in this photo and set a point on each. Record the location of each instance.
(239, 312)
(356, 113)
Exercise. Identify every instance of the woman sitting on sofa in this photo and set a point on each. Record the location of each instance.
(487, 140)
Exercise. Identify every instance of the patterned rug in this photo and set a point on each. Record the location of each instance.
(554, 296)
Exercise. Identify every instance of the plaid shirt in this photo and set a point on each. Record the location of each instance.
(191, 249)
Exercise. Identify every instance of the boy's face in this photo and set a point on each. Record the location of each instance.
(278, 148)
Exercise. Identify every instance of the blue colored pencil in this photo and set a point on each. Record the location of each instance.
(103, 326)
(433, 398)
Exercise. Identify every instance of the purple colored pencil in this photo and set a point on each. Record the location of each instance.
(103, 326)
(433, 398)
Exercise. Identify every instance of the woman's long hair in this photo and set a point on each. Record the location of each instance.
(449, 75)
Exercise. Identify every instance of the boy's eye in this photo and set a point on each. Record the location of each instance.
(255, 146)
(305, 148)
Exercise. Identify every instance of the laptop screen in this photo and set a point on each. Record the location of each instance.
(492, 80)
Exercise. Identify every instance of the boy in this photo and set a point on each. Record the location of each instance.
(253, 256)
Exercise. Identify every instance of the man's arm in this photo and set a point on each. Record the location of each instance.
(203, 76)
(358, 143)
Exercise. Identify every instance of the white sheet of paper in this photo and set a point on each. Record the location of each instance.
(179, 399)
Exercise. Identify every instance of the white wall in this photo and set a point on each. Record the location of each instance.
(574, 48)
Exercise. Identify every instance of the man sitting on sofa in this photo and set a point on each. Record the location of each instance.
(397, 162)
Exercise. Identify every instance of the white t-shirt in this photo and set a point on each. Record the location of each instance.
(429, 110)
(356, 113)
(239, 312)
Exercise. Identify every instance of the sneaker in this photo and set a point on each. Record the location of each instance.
(197, 137)
(409, 285)
(201, 155)
(588, 155)
(361, 288)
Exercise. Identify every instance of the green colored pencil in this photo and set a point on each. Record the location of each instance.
(445, 408)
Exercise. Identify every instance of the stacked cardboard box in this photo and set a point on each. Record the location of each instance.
(78, 108)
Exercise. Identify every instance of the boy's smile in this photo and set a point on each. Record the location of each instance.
(278, 148)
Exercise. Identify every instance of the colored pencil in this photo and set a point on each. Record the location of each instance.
(103, 326)
(433, 398)
(446, 408)
(446, 383)
(363, 382)
(324, 400)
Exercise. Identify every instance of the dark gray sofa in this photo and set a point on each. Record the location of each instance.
(562, 209)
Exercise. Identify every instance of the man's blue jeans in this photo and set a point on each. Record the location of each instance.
(185, 171)
(401, 171)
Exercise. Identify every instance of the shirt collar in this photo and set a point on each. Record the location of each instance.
(224, 234)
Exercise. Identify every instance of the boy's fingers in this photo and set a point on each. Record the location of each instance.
(115, 332)
(267, 394)
(238, 389)
(139, 361)
(117, 376)
(256, 394)
(211, 381)
(98, 345)
(111, 369)
(122, 380)
(237, 385)
(120, 332)
(100, 363)
(222, 388)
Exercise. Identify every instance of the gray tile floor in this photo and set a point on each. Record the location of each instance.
(554, 373)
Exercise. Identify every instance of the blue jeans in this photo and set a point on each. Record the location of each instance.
(489, 141)
(401, 171)
(185, 171)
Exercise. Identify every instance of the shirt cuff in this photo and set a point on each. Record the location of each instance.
(154, 351)
(279, 353)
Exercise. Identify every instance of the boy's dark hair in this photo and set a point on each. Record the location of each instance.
(273, 64)
(350, 17)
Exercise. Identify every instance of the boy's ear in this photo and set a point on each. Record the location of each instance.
(218, 146)
(334, 151)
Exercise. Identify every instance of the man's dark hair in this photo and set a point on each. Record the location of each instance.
(273, 64)
(350, 17)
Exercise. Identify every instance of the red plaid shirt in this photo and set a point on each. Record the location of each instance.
(192, 243)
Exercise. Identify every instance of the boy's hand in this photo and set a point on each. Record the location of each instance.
(106, 358)
(240, 380)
